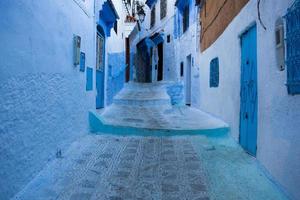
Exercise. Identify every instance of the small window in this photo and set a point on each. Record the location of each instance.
(293, 49)
(278, 37)
(82, 62)
(89, 79)
(181, 69)
(116, 27)
(214, 73)
(100, 52)
(186, 18)
(168, 38)
(163, 9)
(152, 23)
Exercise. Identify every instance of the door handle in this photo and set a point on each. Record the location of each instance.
(246, 115)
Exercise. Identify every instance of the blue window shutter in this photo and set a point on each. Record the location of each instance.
(82, 62)
(89, 79)
(293, 48)
(214, 73)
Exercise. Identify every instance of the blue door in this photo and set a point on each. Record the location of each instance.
(248, 107)
(100, 68)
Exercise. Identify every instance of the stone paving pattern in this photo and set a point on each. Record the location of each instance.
(115, 168)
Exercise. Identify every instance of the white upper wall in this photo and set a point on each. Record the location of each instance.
(278, 113)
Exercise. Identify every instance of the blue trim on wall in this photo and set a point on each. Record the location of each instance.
(181, 4)
(150, 3)
(107, 17)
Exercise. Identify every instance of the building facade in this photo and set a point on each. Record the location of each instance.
(61, 59)
(152, 43)
(236, 60)
(247, 79)
(187, 34)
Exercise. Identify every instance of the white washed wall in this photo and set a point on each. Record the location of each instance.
(43, 104)
(278, 113)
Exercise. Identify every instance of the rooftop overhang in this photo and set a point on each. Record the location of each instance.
(181, 4)
(108, 15)
(158, 38)
(150, 3)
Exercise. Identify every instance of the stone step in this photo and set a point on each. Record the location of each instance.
(142, 94)
(156, 121)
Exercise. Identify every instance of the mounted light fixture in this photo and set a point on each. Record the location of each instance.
(140, 11)
(137, 13)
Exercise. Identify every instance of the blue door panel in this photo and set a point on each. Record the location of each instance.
(248, 107)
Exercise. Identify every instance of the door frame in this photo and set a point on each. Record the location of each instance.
(249, 119)
(127, 46)
(160, 64)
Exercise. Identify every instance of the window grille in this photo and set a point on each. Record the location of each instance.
(163, 9)
(116, 27)
(181, 69)
(100, 53)
(214, 73)
(152, 23)
(186, 18)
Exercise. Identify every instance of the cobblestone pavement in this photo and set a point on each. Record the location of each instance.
(107, 167)
(115, 168)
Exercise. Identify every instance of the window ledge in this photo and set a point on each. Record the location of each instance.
(293, 87)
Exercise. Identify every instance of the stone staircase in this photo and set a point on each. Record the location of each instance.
(143, 94)
(146, 109)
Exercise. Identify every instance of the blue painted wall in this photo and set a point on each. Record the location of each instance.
(44, 103)
(132, 61)
(175, 91)
(116, 75)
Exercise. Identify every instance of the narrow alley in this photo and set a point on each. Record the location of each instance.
(150, 100)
